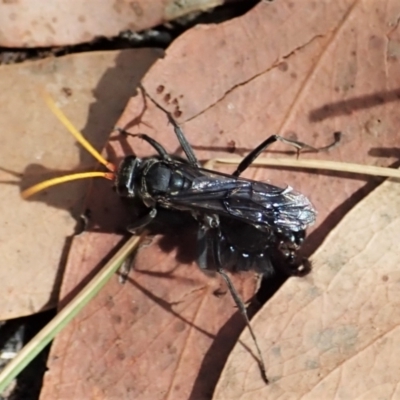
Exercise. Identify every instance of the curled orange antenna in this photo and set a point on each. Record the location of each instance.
(80, 138)
(72, 177)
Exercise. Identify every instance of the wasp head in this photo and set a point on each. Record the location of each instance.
(126, 177)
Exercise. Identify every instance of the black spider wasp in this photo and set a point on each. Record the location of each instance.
(243, 224)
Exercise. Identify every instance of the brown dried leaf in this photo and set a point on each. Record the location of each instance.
(33, 234)
(58, 23)
(336, 332)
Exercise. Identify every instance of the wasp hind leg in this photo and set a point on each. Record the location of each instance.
(210, 259)
(240, 305)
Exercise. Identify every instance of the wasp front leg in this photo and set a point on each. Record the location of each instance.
(142, 222)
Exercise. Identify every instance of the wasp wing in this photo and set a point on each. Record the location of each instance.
(254, 202)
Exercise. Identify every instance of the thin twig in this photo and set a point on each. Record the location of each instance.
(311, 164)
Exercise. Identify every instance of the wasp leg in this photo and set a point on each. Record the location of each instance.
(142, 222)
(300, 268)
(152, 142)
(202, 248)
(210, 251)
(134, 228)
(243, 311)
(178, 132)
(207, 235)
(248, 160)
(125, 269)
(157, 146)
(186, 147)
